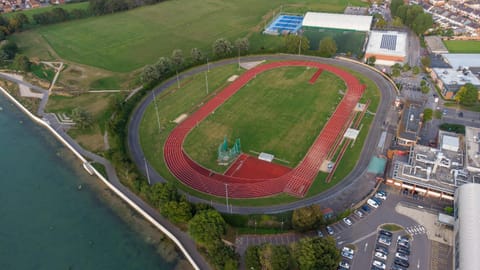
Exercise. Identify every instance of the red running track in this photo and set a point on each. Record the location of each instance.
(295, 182)
(315, 76)
(251, 167)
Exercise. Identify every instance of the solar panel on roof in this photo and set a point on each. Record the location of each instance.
(389, 42)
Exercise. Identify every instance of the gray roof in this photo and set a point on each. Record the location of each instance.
(467, 199)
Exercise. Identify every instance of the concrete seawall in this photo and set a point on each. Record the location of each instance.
(136, 207)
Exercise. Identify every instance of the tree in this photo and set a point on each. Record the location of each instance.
(427, 115)
(274, 257)
(22, 63)
(316, 253)
(8, 50)
(294, 43)
(197, 55)
(406, 67)
(82, 118)
(307, 218)
(397, 22)
(222, 256)
(327, 47)
(381, 23)
(467, 95)
(252, 260)
(371, 60)
(177, 59)
(422, 23)
(242, 44)
(161, 193)
(394, 5)
(206, 227)
(177, 212)
(222, 47)
(395, 72)
(415, 70)
(426, 61)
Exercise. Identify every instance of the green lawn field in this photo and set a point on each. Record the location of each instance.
(174, 102)
(279, 112)
(462, 46)
(126, 41)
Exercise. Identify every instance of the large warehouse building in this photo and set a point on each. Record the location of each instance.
(388, 47)
(333, 21)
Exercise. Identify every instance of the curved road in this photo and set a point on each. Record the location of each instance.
(349, 191)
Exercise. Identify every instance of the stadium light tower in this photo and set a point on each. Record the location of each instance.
(206, 81)
(238, 57)
(178, 80)
(299, 46)
(156, 110)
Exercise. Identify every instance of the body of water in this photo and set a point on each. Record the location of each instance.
(47, 222)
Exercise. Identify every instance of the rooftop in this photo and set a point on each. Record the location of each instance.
(411, 122)
(387, 43)
(450, 76)
(462, 59)
(472, 145)
(435, 44)
(337, 21)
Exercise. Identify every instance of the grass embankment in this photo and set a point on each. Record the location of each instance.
(278, 112)
(30, 12)
(175, 102)
(97, 104)
(462, 46)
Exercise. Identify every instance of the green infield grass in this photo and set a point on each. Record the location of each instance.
(192, 95)
(462, 46)
(126, 41)
(279, 112)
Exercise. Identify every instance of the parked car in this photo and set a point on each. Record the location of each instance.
(382, 249)
(403, 250)
(401, 256)
(366, 208)
(347, 221)
(404, 244)
(403, 238)
(348, 250)
(372, 203)
(344, 264)
(398, 267)
(386, 233)
(330, 230)
(401, 262)
(379, 264)
(380, 196)
(385, 240)
(377, 200)
(358, 213)
(380, 255)
(347, 255)
(319, 233)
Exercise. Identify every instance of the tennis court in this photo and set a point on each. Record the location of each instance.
(284, 24)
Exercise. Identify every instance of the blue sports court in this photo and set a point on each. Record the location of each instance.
(285, 23)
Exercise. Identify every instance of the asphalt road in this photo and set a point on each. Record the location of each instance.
(349, 191)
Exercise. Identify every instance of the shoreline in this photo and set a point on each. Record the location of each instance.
(109, 185)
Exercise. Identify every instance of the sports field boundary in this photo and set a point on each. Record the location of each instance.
(295, 182)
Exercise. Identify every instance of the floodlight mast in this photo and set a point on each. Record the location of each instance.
(206, 81)
(156, 110)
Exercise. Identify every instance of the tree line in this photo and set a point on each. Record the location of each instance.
(412, 16)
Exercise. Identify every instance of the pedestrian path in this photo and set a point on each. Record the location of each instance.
(416, 230)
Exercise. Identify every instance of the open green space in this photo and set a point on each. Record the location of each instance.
(279, 112)
(462, 46)
(126, 41)
(190, 96)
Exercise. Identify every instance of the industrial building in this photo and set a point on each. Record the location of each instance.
(434, 172)
(388, 47)
(467, 222)
(333, 21)
(463, 69)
